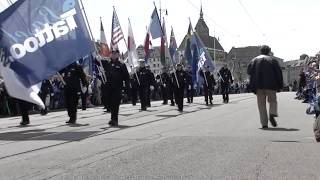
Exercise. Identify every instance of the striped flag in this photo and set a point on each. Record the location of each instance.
(103, 47)
(116, 31)
(173, 46)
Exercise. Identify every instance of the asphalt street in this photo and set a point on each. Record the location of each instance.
(223, 141)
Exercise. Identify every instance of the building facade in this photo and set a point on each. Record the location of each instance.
(213, 46)
(238, 60)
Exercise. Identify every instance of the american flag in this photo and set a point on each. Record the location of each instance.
(116, 33)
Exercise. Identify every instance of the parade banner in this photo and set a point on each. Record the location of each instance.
(39, 38)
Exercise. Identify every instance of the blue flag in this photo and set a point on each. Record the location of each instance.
(155, 25)
(187, 51)
(39, 38)
(203, 54)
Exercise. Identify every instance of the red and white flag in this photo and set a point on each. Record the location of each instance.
(116, 31)
(132, 49)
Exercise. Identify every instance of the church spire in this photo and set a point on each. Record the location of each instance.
(201, 12)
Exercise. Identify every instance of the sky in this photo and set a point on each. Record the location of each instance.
(289, 27)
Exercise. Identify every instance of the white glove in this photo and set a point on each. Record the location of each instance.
(151, 88)
(164, 85)
(189, 87)
(84, 89)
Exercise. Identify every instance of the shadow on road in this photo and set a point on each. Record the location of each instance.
(40, 134)
(280, 129)
(286, 141)
(119, 127)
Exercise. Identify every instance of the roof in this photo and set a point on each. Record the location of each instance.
(209, 42)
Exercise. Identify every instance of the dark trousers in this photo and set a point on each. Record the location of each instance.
(84, 100)
(164, 94)
(178, 95)
(207, 93)
(105, 98)
(170, 95)
(190, 94)
(143, 97)
(43, 96)
(225, 92)
(115, 100)
(148, 97)
(24, 109)
(134, 96)
(71, 100)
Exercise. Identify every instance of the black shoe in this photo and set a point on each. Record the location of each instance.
(164, 103)
(113, 123)
(143, 109)
(207, 104)
(71, 121)
(211, 102)
(24, 123)
(264, 127)
(149, 105)
(273, 121)
(172, 104)
(180, 110)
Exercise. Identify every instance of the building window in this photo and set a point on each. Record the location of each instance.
(154, 65)
(158, 65)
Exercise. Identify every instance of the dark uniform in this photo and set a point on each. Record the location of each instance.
(189, 87)
(84, 96)
(165, 84)
(46, 88)
(208, 88)
(170, 89)
(24, 108)
(152, 83)
(73, 76)
(179, 91)
(116, 73)
(225, 80)
(146, 80)
(104, 90)
(134, 89)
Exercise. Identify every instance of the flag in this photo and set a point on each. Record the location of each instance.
(194, 65)
(103, 46)
(203, 54)
(147, 47)
(132, 49)
(44, 45)
(163, 44)
(116, 31)
(155, 25)
(173, 46)
(187, 51)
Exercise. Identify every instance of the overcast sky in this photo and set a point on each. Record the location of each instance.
(289, 27)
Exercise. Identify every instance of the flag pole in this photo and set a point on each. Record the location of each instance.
(95, 48)
(135, 72)
(162, 33)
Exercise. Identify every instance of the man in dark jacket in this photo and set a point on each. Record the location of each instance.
(73, 76)
(116, 73)
(178, 87)
(265, 80)
(146, 80)
(189, 85)
(164, 82)
(208, 84)
(225, 81)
